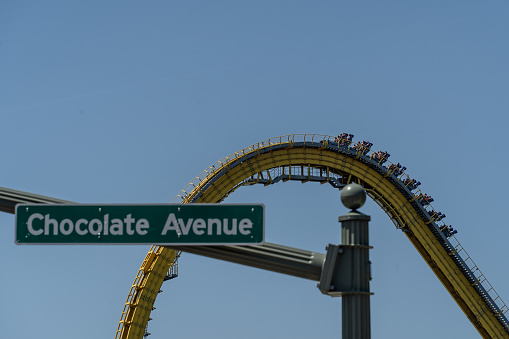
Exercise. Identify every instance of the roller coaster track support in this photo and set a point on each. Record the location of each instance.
(318, 158)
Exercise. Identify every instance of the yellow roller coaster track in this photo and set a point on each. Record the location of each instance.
(313, 157)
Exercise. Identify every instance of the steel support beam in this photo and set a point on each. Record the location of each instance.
(9, 198)
(272, 257)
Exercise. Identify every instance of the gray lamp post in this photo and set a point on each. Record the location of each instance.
(355, 234)
(346, 269)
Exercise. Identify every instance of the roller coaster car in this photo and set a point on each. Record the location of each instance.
(341, 143)
(448, 231)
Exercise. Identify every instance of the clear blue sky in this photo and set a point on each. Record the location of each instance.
(127, 101)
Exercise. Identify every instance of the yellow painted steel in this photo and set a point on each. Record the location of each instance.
(226, 175)
(143, 293)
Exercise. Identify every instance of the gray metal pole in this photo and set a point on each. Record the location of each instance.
(356, 320)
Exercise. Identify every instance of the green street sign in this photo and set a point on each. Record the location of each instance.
(164, 224)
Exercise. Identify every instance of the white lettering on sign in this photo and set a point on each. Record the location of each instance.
(36, 226)
(128, 221)
(39, 224)
(199, 225)
(245, 226)
(141, 226)
(29, 224)
(69, 224)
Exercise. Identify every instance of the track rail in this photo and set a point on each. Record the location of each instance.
(313, 157)
(143, 292)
